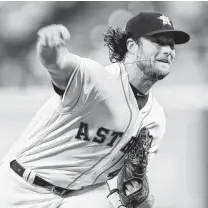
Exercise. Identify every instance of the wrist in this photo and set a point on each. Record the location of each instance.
(52, 58)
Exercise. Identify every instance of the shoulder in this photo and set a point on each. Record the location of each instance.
(92, 68)
(114, 69)
(90, 64)
(97, 71)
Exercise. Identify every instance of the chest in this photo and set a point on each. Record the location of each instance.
(113, 109)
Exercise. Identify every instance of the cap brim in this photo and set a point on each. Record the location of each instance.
(179, 37)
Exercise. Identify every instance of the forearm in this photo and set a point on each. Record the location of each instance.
(54, 55)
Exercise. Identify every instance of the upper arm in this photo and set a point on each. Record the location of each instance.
(156, 124)
(84, 85)
(157, 130)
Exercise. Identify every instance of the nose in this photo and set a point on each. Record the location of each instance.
(167, 49)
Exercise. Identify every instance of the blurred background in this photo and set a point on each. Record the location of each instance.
(179, 173)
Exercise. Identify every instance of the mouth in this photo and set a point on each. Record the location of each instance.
(166, 61)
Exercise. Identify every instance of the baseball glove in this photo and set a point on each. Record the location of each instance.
(134, 169)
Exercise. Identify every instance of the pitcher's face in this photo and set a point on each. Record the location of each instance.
(155, 55)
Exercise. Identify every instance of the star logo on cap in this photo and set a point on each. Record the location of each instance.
(166, 20)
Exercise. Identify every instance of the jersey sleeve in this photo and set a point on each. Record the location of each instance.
(156, 124)
(83, 85)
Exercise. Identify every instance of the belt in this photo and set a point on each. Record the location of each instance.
(38, 181)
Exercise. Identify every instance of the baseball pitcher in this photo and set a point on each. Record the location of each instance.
(90, 144)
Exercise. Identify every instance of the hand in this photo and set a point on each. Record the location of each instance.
(53, 36)
(132, 186)
(51, 45)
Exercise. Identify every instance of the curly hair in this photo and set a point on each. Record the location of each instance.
(115, 40)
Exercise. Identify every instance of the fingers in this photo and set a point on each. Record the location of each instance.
(53, 36)
(132, 186)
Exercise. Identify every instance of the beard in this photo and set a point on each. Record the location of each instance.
(152, 69)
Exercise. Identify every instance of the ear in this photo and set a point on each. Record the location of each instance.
(130, 45)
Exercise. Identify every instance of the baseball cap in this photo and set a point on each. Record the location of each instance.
(151, 23)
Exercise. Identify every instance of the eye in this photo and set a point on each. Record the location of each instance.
(163, 41)
(166, 42)
(172, 46)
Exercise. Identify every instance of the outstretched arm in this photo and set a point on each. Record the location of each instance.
(54, 55)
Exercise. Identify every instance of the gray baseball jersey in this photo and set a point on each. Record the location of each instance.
(81, 138)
